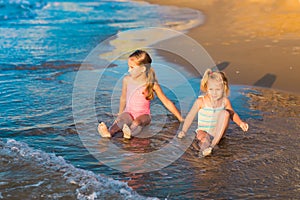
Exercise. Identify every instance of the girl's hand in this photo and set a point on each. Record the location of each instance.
(181, 119)
(244, 126)
(181, 134)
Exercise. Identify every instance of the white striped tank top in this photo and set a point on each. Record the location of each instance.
(207, 117)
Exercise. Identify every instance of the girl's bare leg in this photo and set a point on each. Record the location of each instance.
(124, 118)
(126, 131)
(204, 140)
(103, 131)
(222, 125)
(139, 123)
(136, 126)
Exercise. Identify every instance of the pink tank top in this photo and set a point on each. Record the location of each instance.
(136, 102)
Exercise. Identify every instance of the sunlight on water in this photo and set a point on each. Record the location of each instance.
(43, 157)
(32, 32)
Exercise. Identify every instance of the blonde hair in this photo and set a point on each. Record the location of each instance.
(144, 59)
(215, 75)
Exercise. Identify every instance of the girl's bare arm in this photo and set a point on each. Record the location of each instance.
(167, 102)
(190, 117)
(235, 117)
(123, 95)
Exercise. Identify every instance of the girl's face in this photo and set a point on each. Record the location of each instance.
(134, 69)
(215, 89)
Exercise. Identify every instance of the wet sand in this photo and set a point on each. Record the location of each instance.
(257, 40)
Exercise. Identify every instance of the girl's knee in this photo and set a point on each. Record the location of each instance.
(142, 120)
(224, 114)
(135, 123)
(124, 118)
(201, 135)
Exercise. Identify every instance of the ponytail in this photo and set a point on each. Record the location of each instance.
(151, 80)
(143, 58)
(203, 85)
(225, 83)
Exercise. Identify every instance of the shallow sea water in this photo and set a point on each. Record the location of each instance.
(42, 156)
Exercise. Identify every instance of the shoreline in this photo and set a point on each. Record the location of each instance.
(259, 48)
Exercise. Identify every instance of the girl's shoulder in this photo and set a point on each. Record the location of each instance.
(201, 101)
(202, 98)
(126, 78)
(226, 100)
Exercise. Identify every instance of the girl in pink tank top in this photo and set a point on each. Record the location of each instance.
(136, 103)
(138, 89)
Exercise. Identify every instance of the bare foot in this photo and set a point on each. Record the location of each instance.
(207, 151)
(204, 145)
(103, 131)
(126, 131)
(181, 134)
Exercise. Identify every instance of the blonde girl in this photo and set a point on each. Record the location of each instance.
(138, 89)
(214, 111)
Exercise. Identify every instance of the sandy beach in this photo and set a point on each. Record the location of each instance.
(259, 40)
